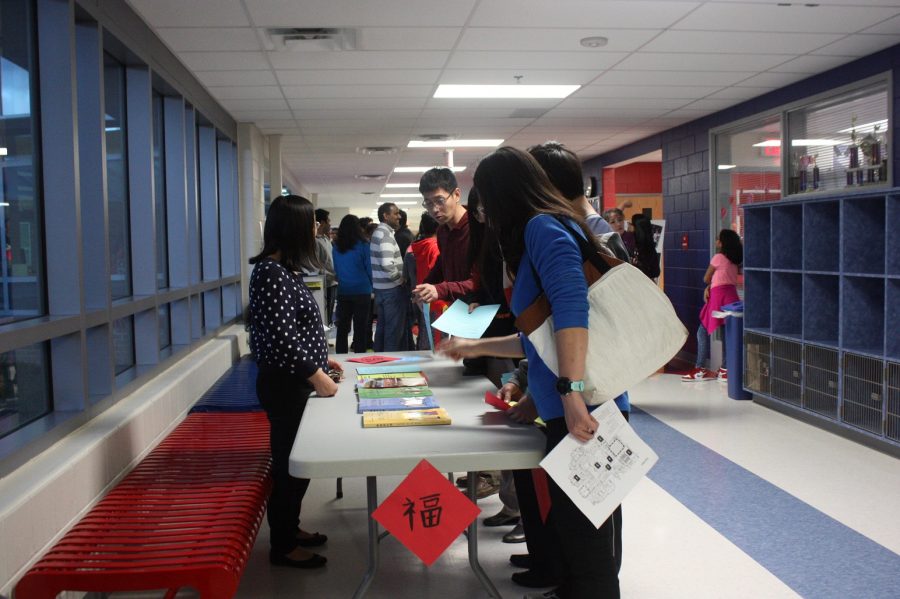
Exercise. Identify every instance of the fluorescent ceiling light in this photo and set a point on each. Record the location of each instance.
(422, 169)
(868, 127)
(504, 91)
(776, 143)
(3, 151)
(727, 167)
(769, 143)
(456, 143)
(398, 185)
(400, 195)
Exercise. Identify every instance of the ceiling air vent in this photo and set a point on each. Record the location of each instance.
(371, 177)
(435, 137)
(309, 39)
(376, 150)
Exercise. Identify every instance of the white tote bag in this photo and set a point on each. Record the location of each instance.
(633, 330)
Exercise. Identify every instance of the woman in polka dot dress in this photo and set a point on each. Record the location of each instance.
(288, 340)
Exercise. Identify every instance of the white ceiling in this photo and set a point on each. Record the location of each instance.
(667, 62)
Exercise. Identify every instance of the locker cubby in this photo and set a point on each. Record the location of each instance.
(757, 361)
(757, 299)
(821, 380)
(892, 401)
(863, 222)
(893, 239)
(787, 237)
(787, 370)
(892, 319)
(862, 314)
(787, 303)
(757, 237)
(821, 305)
(821, 232)
(862, 392)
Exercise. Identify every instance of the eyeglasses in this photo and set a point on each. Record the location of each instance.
(436, 202)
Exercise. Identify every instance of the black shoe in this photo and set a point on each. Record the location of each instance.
(462, 481)
(316, 561)
(501, 518)
(535, 579)
(314, 540)
(516, 535)
(520, 560)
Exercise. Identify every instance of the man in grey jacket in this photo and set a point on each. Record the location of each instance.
(391, 297)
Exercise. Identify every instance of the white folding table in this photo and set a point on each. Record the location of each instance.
(331, 442)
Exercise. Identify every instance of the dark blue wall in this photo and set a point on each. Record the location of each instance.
(685, 171)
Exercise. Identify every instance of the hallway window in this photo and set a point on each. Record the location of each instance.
(21, 260)
(123, 343)
(24, 388)
(117, 177)
(159, 192)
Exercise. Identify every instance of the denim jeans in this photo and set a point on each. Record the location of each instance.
(703, 348)
(390, 330)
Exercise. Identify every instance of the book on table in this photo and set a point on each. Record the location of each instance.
(381, 404)
(413, 380)
(428, 417)
(394, 392)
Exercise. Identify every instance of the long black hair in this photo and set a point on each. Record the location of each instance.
(643, 232)
(349, 234)
(289, 229)
(514, 188)
(731, 246)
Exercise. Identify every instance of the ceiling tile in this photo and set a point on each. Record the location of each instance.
(889, 26)
(210, 39)
(361, 113)
(247, 92)
(644, 91)
(678, 78)
(350, 13)
(613, 103)
(255, 104)
(589, 113)
(811, 64)
(797, 17)
(360, 103)
(534, 60)
(546, 39)
(356, 59)
(261, 115)
(224, 61)
(234, 78)
(358, 91)
(529, 76)
(740, 93)
(407, 38)
(612, 14)
(197, 13)
(773, 79)
(359, 77)
(739, 42)
(712, 103)
(655, 61)
(859, 45)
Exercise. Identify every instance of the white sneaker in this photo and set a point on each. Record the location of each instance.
(698, 374)
(722, 375)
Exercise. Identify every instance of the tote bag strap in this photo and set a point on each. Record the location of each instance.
(595, 265)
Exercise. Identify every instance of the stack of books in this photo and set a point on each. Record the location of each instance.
(388, 396)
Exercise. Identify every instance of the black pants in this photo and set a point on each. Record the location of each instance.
(589, 569)
(353, 308)
(283, 396)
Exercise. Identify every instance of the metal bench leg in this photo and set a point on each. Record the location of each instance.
(372, 496)
(339, 488)
(472, 537)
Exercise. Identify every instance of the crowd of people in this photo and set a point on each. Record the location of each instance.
(515, 237)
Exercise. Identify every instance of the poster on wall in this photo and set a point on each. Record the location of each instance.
(658, 225)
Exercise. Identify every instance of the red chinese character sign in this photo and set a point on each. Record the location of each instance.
(426, 512)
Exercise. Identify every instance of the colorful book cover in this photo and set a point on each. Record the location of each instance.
(381, 404)
(405, 418)
(406, 365)
(408, 372)
(394, 392)
(392, 382)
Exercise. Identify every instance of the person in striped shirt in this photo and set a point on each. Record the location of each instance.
(391, 297)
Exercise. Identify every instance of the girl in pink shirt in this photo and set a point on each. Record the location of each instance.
(721, 289)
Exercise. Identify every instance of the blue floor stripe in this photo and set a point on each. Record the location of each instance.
(814, 554)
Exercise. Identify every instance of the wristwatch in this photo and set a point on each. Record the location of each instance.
(565, 386)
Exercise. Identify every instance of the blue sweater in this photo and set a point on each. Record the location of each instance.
(553, 253)
(353, 269)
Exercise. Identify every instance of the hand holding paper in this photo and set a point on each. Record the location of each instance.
(459, 322)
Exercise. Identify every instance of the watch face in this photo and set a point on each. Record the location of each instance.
(563, 385)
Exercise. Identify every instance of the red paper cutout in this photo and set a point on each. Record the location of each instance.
(426, 512)
(492, 399)
(373, 359)
(542, 490)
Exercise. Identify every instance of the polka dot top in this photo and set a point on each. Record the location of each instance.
(286, 328)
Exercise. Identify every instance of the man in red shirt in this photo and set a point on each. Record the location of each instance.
(450, 277)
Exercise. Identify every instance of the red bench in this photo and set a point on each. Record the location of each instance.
(186, 516)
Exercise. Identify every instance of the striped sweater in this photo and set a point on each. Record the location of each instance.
(387, 264)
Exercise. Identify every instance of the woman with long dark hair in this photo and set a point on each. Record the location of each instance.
(354, 273)
(536, 229)
(288, 338)
(645, 256)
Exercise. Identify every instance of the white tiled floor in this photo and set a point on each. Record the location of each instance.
(669, 552)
